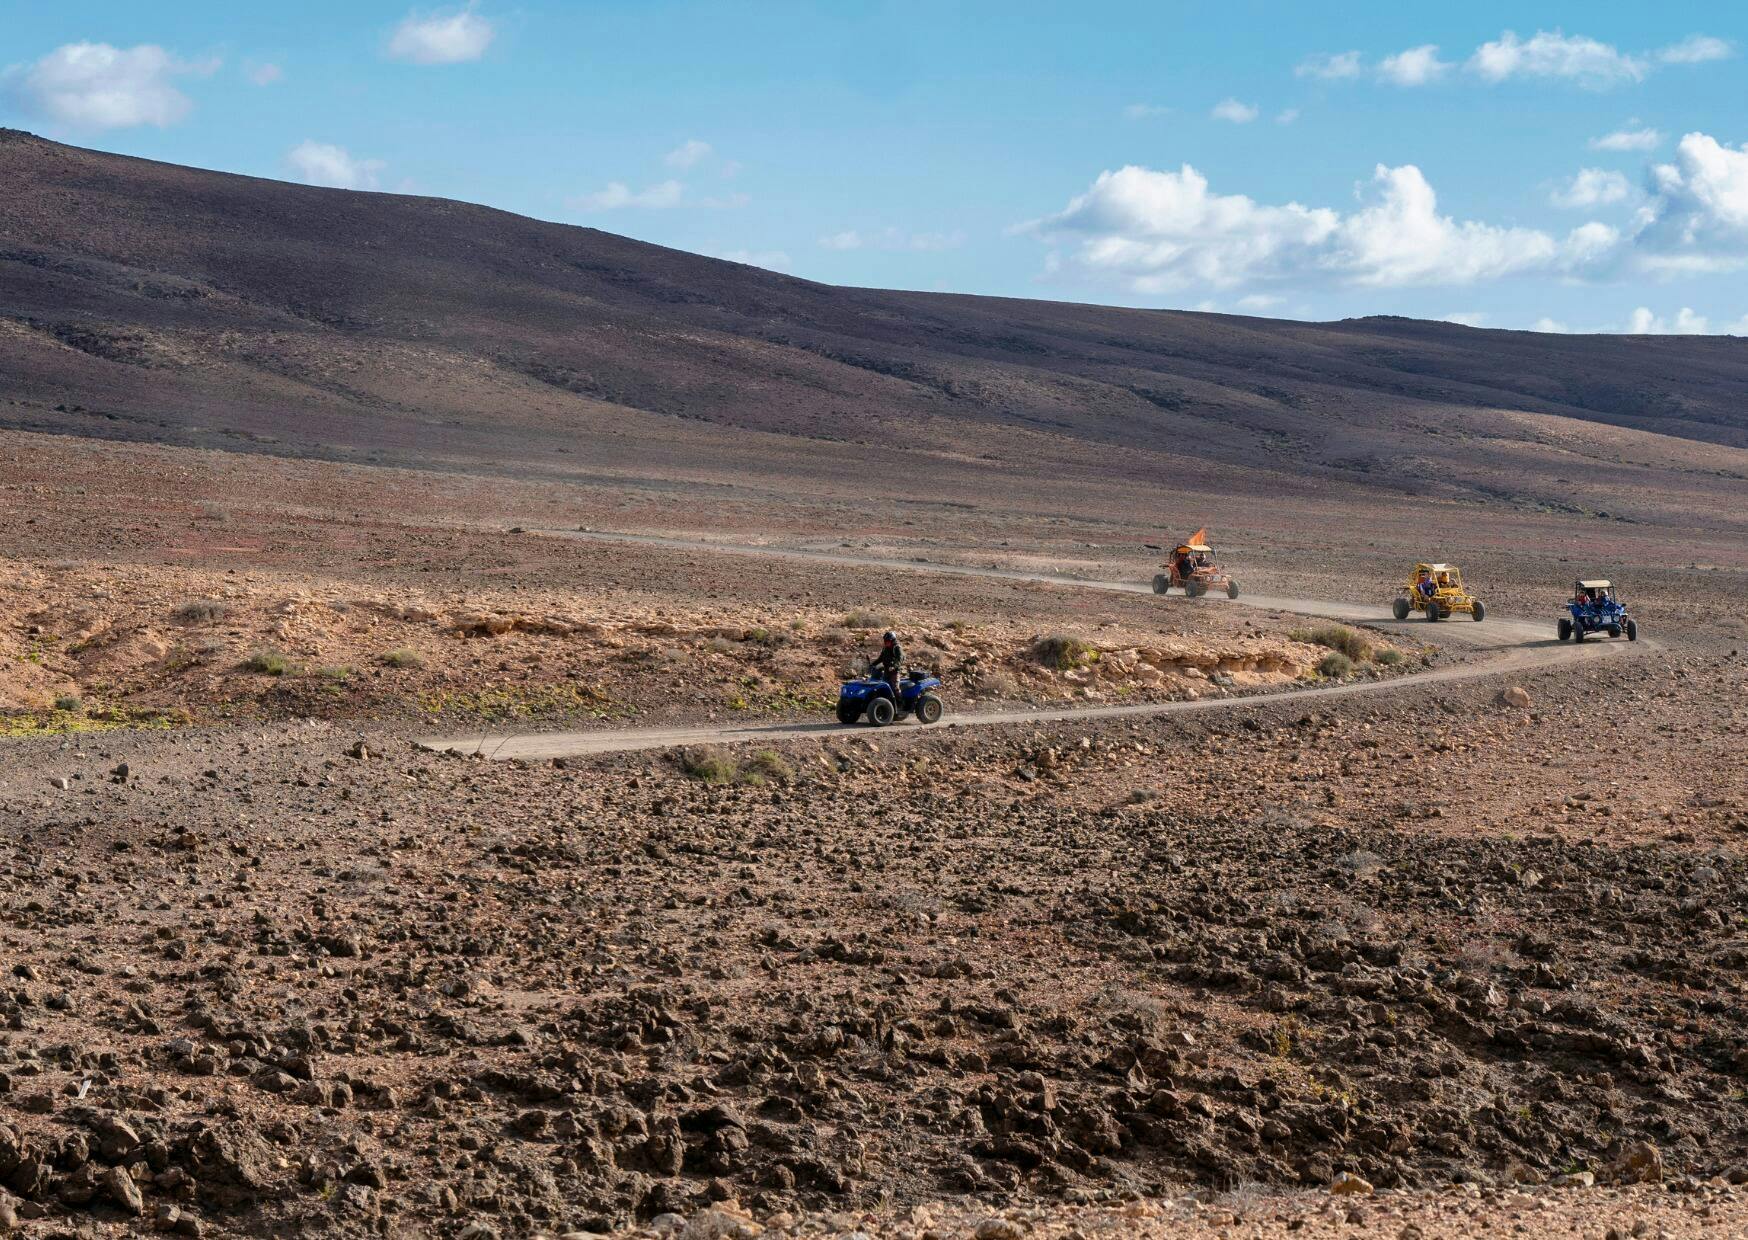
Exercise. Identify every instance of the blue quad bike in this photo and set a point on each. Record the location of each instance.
(1595, 609)
(869, 697)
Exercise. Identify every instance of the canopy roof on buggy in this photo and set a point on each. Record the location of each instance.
(1435, 568)
(1597, 584)
(1195, 546)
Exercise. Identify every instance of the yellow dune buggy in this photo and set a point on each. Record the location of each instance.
(1436, 590)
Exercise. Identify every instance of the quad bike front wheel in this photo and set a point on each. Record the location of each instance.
(1161, 583)
(847, 712)
(1399, 609)
(1231, 588)
(928, 709)
(881, 712)
(1480, 612)
(1632, 630)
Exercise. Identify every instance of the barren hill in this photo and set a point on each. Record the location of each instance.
(148, 301)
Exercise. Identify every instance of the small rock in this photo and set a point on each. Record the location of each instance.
(119, 1187)
(997, 1228)
(1516, 697)
(1642, 1163)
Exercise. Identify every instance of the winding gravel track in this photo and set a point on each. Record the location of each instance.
(1516, 646)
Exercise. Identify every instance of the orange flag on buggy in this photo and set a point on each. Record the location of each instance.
(1199, 538)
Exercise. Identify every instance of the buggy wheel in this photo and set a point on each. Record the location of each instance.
(1432, 609)
(928, 709)
(1632, 630)
(1614, 630)
(1399, 609)
(1578, 632)
(848, 712)
(1195, 589)
(1480, 612)
(881, 712)
(1231, 588)
(1564, 628)
(1161, 583)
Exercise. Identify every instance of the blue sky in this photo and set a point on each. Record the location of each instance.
(1581, 168)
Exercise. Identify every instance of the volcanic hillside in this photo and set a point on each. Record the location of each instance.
(147, 301)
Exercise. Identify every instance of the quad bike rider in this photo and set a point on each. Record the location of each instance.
(1192, 569)
(885, 664)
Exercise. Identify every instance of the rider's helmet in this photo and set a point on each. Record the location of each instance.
(888, 637)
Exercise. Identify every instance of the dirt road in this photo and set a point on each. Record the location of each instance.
(1518, 645)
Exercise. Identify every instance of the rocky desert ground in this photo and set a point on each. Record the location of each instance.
(1236, 919)
(1430, 959)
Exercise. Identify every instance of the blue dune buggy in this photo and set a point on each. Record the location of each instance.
(1595, 609)
(871, 697)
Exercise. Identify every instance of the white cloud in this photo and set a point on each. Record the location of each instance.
(775, 260)
(1696, 49)
(1329, 66)
(97, 86)
(321, 163)
(1286, 116)
(1469, 318)
(1697, 220)
(1551, 54)
(1234, 111)
(1145, 111)
(264, 74)
(1165, 231)
(1632, 137)
(1554, 326)
(688, 153)
(1415, 67)
(1685, 323)
(1592, 187)
(619, 195)
(441, 38)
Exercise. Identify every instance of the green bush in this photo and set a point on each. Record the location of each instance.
(708, 765)
(1387, 657)
(767, 765)
(1335, 665)
(1061, 652)
(68, 702)
(864, 619)
(201, 611)
(270, 663)
(404, 657)
(1335, 637)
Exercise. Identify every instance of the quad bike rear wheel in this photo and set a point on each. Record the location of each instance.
(1399, 609)
(1231, 588)
(1162, 583)
(1564, 628)
(881, 712)
(1632, 630)
(1480, 612)
(847, 712)
(928, 709)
